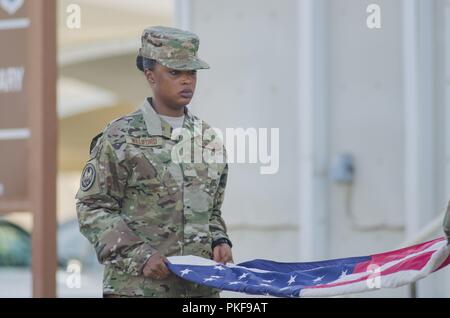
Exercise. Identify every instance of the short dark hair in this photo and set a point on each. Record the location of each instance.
(144, 63)
(148, 64)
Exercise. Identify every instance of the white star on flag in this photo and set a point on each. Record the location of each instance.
(234, 283)
(185, 272)
(318, 279)
(243, 276)
(292, 280)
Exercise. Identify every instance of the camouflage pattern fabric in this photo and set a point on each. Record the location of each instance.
(135, 200)
(171, 47)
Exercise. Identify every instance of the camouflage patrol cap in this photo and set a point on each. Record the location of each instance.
(171, 47)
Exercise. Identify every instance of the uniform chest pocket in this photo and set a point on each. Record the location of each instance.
(144, 175)
(152, 185)
(203, 176)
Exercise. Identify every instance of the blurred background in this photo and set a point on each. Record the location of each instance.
(362, 115)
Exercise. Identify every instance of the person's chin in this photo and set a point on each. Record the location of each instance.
(183, 101)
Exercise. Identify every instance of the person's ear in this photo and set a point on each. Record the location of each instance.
(150, 76)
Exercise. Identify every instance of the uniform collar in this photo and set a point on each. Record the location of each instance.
(156, 126)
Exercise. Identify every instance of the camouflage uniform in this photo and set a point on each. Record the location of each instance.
(135, 199)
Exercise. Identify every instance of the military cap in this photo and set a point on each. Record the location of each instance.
(171, 47)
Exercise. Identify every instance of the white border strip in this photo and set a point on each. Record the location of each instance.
(11, 24)
(191, 260)
(12, 134)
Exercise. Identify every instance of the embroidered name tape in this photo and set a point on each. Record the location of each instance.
(145, 141)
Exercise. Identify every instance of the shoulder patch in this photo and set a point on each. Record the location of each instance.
(88, 177)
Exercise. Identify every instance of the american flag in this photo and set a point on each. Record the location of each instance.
(317, 279)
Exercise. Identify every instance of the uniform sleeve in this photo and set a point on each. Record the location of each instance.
(98, 204)
(217, 225)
